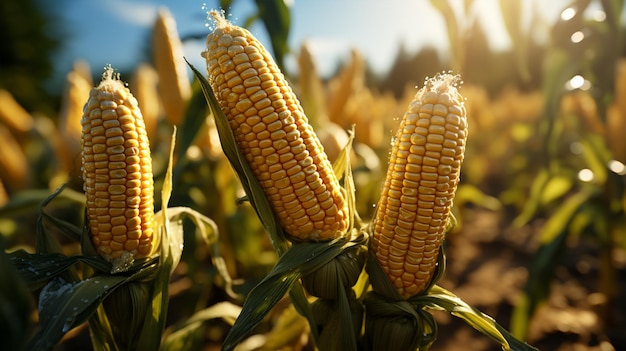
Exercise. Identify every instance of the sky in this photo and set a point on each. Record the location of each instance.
(116, 31)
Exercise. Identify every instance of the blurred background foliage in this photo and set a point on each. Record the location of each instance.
(545, 160)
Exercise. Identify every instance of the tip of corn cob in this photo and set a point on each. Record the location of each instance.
(441, 83)
(219, 18)
(110, 79)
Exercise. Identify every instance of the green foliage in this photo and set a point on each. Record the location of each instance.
(574, 205)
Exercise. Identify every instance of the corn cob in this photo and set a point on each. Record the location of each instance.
(174, 85)
(117, 173)
(413, 210)
(311, 88)
(76, 92)
(274, 135)
(145, 85)
(14, 115)
(14, 167)
(4, 197)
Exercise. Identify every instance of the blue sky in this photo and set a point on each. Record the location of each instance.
(115, 31)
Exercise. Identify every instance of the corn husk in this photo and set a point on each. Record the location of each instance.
(342, 272)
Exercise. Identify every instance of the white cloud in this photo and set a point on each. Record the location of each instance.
(137, 13)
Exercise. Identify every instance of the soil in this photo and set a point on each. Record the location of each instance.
(487, 267)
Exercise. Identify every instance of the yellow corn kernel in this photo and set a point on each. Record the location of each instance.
(174, 85)
(274, 135)
(422, 177)
(117, 174)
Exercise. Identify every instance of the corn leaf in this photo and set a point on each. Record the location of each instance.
(534, 199)
(64, 305)
(595, 161)
(343, 169)
(171, 248)
(27, 201)
(287, 331)
(556, 187)
(191, 125)
(298, 260)
(36, 269)
(442, 299)
(208, 231)
(469, 193)
(188, 335)
(544, 263)
(46, 243)
(73, 232)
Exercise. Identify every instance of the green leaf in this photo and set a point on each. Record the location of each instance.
(36, 269)
(208, 231)
(299, 259)
(28, 201)
(191, 125)
(469, 193)
(64, 305)
(545, 261)
(185, 336)
(442, 299)
(46, 243)
(73, 232)
(594, 161)
(171, 246)
(556, 187)
(343, 168)
(301, 304)
(534, 199)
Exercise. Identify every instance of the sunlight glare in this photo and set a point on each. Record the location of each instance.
(568, 14)
(585, 175)
(577, 37)
(617, 167)
(578, 82)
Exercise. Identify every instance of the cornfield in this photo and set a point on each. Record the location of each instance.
(240, 206)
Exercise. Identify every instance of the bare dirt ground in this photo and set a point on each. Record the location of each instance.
(487, 268)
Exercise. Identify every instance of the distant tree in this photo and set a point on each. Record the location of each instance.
(412, 69)
(29, 36)
(496, 69)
